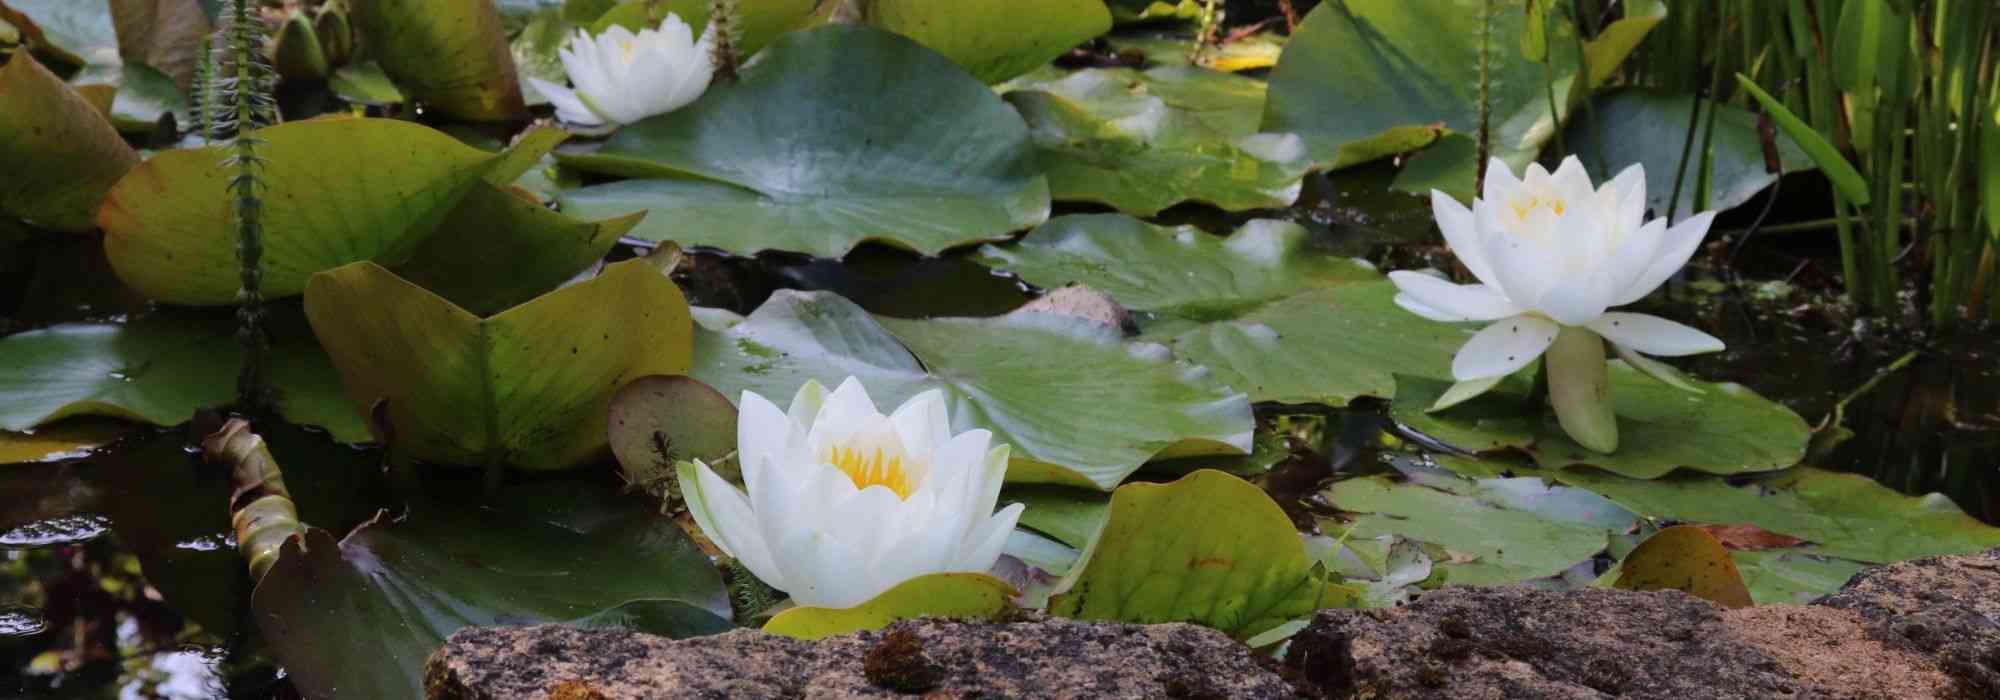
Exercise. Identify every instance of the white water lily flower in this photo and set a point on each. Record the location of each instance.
(622, 77)
(1554, 255)
(844, 502)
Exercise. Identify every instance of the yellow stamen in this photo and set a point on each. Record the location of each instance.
(872, 469)
(1524, 207)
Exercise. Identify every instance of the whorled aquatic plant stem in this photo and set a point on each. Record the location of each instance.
(238, 101)
(1487, 12)
(1209, 33)
(726, 20)
(201, 101)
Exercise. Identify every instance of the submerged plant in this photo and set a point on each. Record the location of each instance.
(1553, 255)
(234, 99)
(621, 77)
(844, 503)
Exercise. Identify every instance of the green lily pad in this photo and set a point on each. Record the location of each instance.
(529, 387)
(958, 595)
(763, 20)
(1635, 126)
(391, 183)
(76, 155)
(1227, 104)
(1844, 515)
(994, 39)
(158, 371)
(1493, 531)
(451, 55)
(365, 84)
(1129, 11)
(62, 439)
(1178, 271)
(357, 617)
(499, 249)
(1100, 140)
(1208, 548)
(144, 96)
(1236, 54)
(1364, 79)
(1079, 405)
(833, 136)
(1724, 429)
(1793, 575)
(1069, 515)
(80, 33)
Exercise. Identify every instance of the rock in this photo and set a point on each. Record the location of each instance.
(1087, 304)
(1928, 628)
(1042, 658)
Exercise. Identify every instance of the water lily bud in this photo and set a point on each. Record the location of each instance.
(336, 36)
(297, 53)
(842, 503)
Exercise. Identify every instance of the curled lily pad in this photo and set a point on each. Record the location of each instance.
(833, 136)
(449, 54)
(528, 387)
(77, 156)
(993, 39)
(1364, 79)
(1722, 429)
(1079, 405)
(500, 248)
(960, 595)
(158, 371)
(1101, 140)
(1208, 548)
(391, 182)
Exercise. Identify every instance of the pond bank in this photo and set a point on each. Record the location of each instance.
(1922, 628)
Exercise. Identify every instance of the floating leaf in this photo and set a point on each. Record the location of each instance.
(1748, 537)
(143, 97)
(1102, 140)
(1069, 515)
(660, 421)
(763, 20)
(169, 235)
(1631, 127)
(993, 39)
(451, 55)
(1843, 515)
(1364, 79)
(1792, 575)
(365, 84)
(959, 595)
(1079, 405)
(833, 136)
(1129, 11)
(157, 371)
(1498, 530)
(1178, 271)
(1685, 559)
(499, 249)
(63, 439)
(1235, 54)
(1724, 429)
(357, 617)
(1208, 548)
(163, 35)
(76, 154)
(528, 387)
(79, 33)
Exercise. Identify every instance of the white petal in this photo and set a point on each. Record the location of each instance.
(1500, 181)
(761, 431)
(1461, 234)
(1624, 198)
(568, 108)
(1654, 335)
(846, 410)
(983, 547)
(1418, 308)
(922, 423)
(1572, 183)
(1576, 301)
(1630, 258)
(806, 403)
(1502, 348)
(829, 578)
(1655, 369)
(1472, 302)
(1523, 267)
(1462, 392)
(1679, 243)
(722, 513)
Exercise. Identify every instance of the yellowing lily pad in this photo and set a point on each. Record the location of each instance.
(833, 136)
(1079, 405)
(62, 154)
(338, 190)
(1723, 429)
(1685, 559)
(956, 595)
(500, 248)
(1208, 548)
(529, 387)
(451, 55)
(66, 439)
(993, 39)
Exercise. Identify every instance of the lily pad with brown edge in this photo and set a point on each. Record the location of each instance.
(529, 387)
(1175, 271)
(337, 190)
(76, 155)
(661, 420)
(358, 616)
(1686, 559)
(159, 371)
(833, 136)
(993, 39)
(954, 595)
(1079, 404)
(1208, 548)
(499, 248)
(1842, 515)
(450, 55)
(1724, 429)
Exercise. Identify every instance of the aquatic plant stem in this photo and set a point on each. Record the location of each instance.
(239, 101)
(726, 22)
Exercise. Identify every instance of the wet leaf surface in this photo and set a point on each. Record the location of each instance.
(449, 54)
